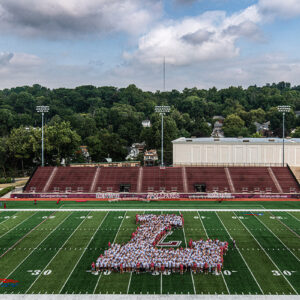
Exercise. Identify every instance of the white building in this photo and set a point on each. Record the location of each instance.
(235, 151)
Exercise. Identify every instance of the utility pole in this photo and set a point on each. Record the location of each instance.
(42, 109)
(162, 110)
(284, 109)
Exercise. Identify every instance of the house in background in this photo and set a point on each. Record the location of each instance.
(150, 157)
(146, 123)
(135, 150)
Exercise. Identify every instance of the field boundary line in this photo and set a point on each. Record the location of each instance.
(24, 236)
(17, 225)
(267, 254)
(192, 277)
(56, 253)
(87, 245)
(208, 238)
(267, 227)
(158, 209)
(51, 231)
(99, 278)
(241, 255)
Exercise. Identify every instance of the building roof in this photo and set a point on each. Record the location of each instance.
(206, 140)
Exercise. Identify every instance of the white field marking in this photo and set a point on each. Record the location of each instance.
(86, 247)
(33, 249)
(221, 271)
(293, 215)
(17, 225)
(24, 236)
(190, 271)
(113, 243)
(161, 289)
(55, 254)
(129, 282)
(241, 255)
(290, 229)
(267, 255)
(159, 209)
(277, 237)
(6, 219)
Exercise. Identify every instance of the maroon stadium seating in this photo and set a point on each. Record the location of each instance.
(252, 180)
(70, 179)
(157, 179)
(213, 177)
(39, 179)
(286, 180)
(110, 178)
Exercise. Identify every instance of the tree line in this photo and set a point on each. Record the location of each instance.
(109, 119)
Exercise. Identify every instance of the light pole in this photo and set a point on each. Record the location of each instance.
(284, 109)
(42, 109)
(162, 110)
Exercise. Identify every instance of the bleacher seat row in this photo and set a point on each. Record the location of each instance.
(168, 179)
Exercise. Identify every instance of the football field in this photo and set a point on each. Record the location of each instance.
(50, 252)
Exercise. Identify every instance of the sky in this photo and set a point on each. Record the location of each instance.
(205, 43)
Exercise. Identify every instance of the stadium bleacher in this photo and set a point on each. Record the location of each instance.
(167, 179)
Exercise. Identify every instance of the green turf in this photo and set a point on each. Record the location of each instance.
(275, 249)
(257, 260)
(75, 248)
(17, 233)
(41, 256)
(139, 205)
(60, 251)
(14, 257)
(84, 282)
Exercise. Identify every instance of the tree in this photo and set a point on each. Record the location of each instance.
(3, 154)
(19, 146)
(61, 141)
(233, 125)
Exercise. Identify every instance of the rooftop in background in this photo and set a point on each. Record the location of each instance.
(236, 140)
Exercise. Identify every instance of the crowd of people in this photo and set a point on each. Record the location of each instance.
(142, 252)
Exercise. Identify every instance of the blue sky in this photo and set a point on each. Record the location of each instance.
(119, 42)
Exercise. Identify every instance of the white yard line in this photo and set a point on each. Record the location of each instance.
(24, 236)
(129, 282)
(287, 227)
(56, 253)
(277, 238)
(113, 243)
(241, 255)
(293, 215)
(87, 246)
(17, 225)
(51, 231)
(190, 271)
(161, 285)
(266, 254)
(2, 212)
(221, 271)
(159, 209)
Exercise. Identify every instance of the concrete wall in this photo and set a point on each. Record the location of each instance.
(235, 154)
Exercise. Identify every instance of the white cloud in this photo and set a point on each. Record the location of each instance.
(210, 36)
(280, 8)
(69, 18)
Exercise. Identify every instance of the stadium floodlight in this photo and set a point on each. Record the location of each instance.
(283, 109)
(42, 109)
(162, 110)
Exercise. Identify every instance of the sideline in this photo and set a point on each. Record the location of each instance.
(146, 297)
(155, 209)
